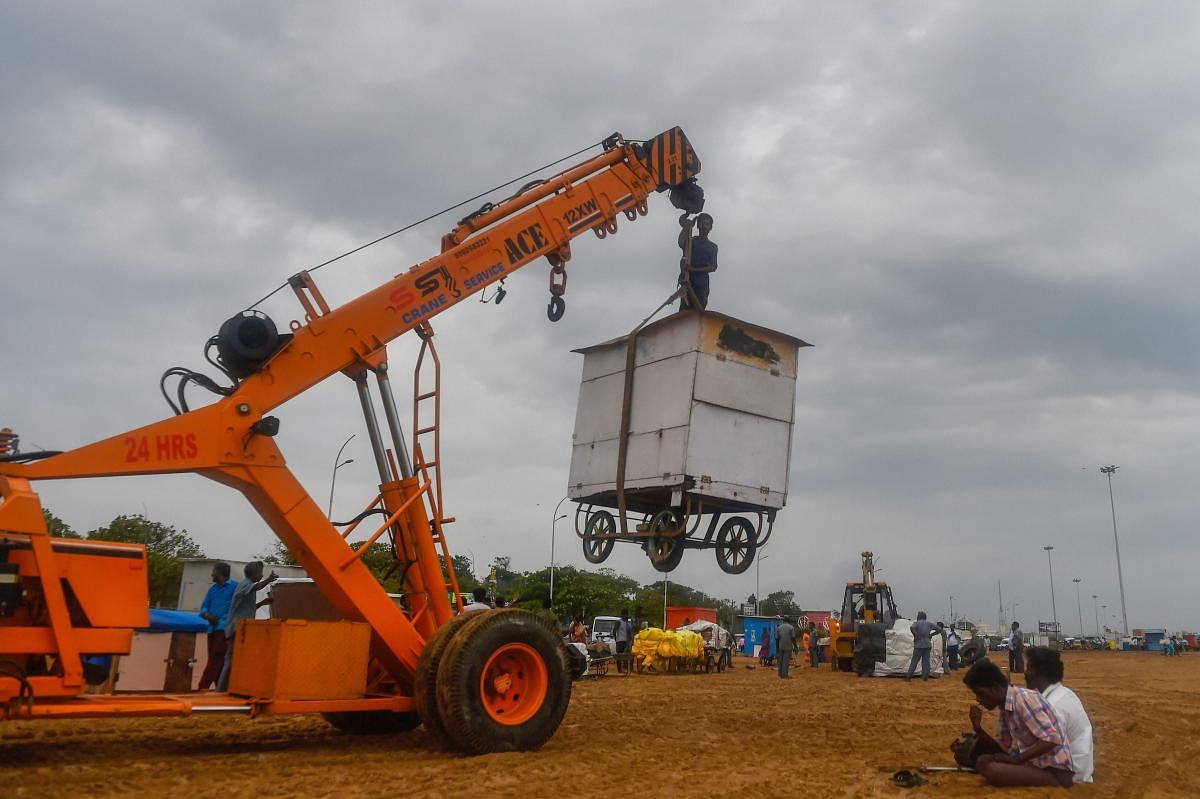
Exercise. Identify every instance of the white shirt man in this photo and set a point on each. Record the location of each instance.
(1076, 725)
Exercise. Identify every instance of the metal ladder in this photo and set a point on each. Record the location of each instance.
(430, 471)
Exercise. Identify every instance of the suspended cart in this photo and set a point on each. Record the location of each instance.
(683, 438)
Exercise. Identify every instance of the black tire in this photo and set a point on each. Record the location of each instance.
(462, 706)
(374, 722)
(577, 662)
(710, 664)
(597, 550)
(672, 546)
(672, 560)
(425, 684)
(736, 545)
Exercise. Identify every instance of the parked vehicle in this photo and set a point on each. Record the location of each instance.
(604, 631)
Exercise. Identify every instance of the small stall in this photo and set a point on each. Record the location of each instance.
(759, 630)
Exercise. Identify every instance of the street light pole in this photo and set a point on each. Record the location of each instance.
(952, 610)
(665, 581)
(1078, 606)
(1053, 607)
(1108, 472)
(1104, 615)
(336, 466)
(553, 526)
(1096, 612)
(758, 582)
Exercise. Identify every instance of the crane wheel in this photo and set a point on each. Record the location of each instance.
(425, 684)
(374, 722)
(503, 684)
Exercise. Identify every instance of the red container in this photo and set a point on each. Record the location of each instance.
(678, 617)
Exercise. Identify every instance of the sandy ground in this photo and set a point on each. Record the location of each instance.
(744, 733)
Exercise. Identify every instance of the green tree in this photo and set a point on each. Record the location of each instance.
(166, 548)
(467, 581)
(277, 555)
(57, 527)
(780, 603)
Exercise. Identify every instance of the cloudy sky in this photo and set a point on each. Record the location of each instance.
(978, 213)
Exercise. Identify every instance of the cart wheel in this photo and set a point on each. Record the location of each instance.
(425, 685)
(736, 545)
(503, 683)
(599, 523)
(664, 551)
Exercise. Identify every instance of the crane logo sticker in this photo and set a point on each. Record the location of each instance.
(174, 447)
(525, 243)
(437, 278)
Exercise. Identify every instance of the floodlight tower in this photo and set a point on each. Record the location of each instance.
(1107, 471)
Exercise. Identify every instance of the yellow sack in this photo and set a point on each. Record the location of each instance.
(653, 647)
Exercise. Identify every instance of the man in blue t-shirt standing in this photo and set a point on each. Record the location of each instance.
(214, 610)
(242, 607)
(703, 262)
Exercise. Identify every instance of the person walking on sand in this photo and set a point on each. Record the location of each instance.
(785, 642)
(1016, 651)
(922, 630)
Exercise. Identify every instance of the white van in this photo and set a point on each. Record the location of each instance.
(604, 629)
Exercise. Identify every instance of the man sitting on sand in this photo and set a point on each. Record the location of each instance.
(1030, 748)
(1044, 674)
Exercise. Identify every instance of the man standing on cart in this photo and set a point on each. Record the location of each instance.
(703, 261)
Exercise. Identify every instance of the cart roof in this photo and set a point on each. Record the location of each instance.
(680, 314)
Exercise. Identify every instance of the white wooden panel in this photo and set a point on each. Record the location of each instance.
(741, 387)
(650, 456)
(662, 395)
(737, 448)
(674, 336)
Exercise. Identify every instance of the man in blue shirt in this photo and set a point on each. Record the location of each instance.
(703, 262)
(214, 609)
(242, 606)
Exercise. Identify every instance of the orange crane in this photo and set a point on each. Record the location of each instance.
(479, 682)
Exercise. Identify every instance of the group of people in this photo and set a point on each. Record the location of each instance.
(1043, 737)
(923, 631)
(225, 604)
(786, 637)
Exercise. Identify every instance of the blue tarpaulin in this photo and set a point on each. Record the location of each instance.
(176, 621)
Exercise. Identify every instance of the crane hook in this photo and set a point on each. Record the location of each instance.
(556, 308)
